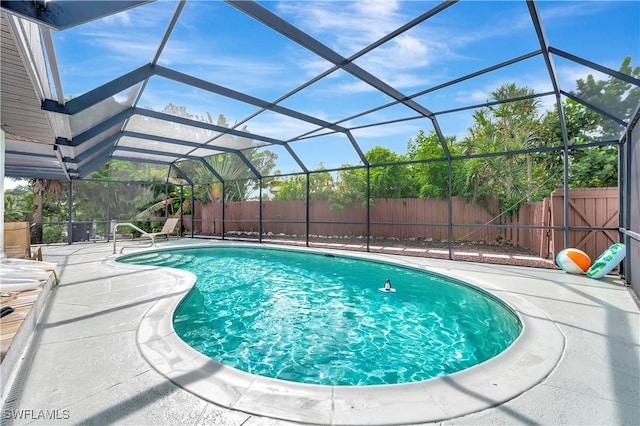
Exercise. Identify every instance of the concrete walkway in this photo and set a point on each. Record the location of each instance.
(88, 369)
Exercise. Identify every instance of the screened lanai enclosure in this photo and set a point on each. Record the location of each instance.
(428, 128)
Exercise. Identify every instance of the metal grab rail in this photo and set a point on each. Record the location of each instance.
(145, 233)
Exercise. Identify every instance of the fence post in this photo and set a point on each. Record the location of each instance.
(546, 221)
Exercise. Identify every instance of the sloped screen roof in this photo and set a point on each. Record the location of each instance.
(178, 84)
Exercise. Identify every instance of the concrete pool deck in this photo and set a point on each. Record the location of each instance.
(88, 367)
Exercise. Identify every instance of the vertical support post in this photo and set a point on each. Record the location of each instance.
(181, 209)
(307, 201)
(621, 206)
(450, 208)
(224, 196)
(565, 163)
(166, 197)
(368, 206)
(108, 210)
(260, 211)
(70, 213)
(624, 169)
(193, 211)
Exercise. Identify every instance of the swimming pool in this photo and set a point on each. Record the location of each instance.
(523, 365)
(319, 319)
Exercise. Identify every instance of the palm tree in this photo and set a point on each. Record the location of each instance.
(519, 123)
(40, 187)
(506, 127)
(14, 208)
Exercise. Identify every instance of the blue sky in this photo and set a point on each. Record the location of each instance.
(218, 43)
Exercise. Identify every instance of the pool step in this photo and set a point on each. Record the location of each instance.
(139, 258)
(150, 258)
(178, 260)
(173, 260)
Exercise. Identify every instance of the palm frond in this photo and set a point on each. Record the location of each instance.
(154, 208)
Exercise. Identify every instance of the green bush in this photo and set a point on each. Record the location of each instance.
(51, 235)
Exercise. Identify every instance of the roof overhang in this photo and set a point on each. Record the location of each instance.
(30, 132)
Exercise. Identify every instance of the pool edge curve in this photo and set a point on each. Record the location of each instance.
(526, 363)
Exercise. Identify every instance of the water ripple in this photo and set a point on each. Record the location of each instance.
(313, 319)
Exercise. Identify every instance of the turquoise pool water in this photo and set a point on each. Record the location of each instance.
(320, 319)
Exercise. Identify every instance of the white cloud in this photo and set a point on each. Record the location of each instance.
(477, 96)
(568, 75)
(401, 130)
(402, 53)
(333, 22)
(122, 47)
(122, 18)
(570, 11)
(131, 35)
(377, 8)
(408, 46)
(278, 126)
(482, 94)
(348, 27)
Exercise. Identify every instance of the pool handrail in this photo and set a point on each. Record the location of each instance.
(145, 233)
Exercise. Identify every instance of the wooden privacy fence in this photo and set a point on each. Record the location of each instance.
(535, 239)
(394, 217)
(406, 218)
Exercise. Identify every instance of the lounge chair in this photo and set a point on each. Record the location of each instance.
(168, 229)
(17, 241)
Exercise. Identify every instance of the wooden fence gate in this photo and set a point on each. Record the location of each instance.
(588, 208)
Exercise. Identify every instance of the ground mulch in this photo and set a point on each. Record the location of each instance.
(517, 256)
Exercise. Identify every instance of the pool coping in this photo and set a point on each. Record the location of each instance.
(526, 363)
